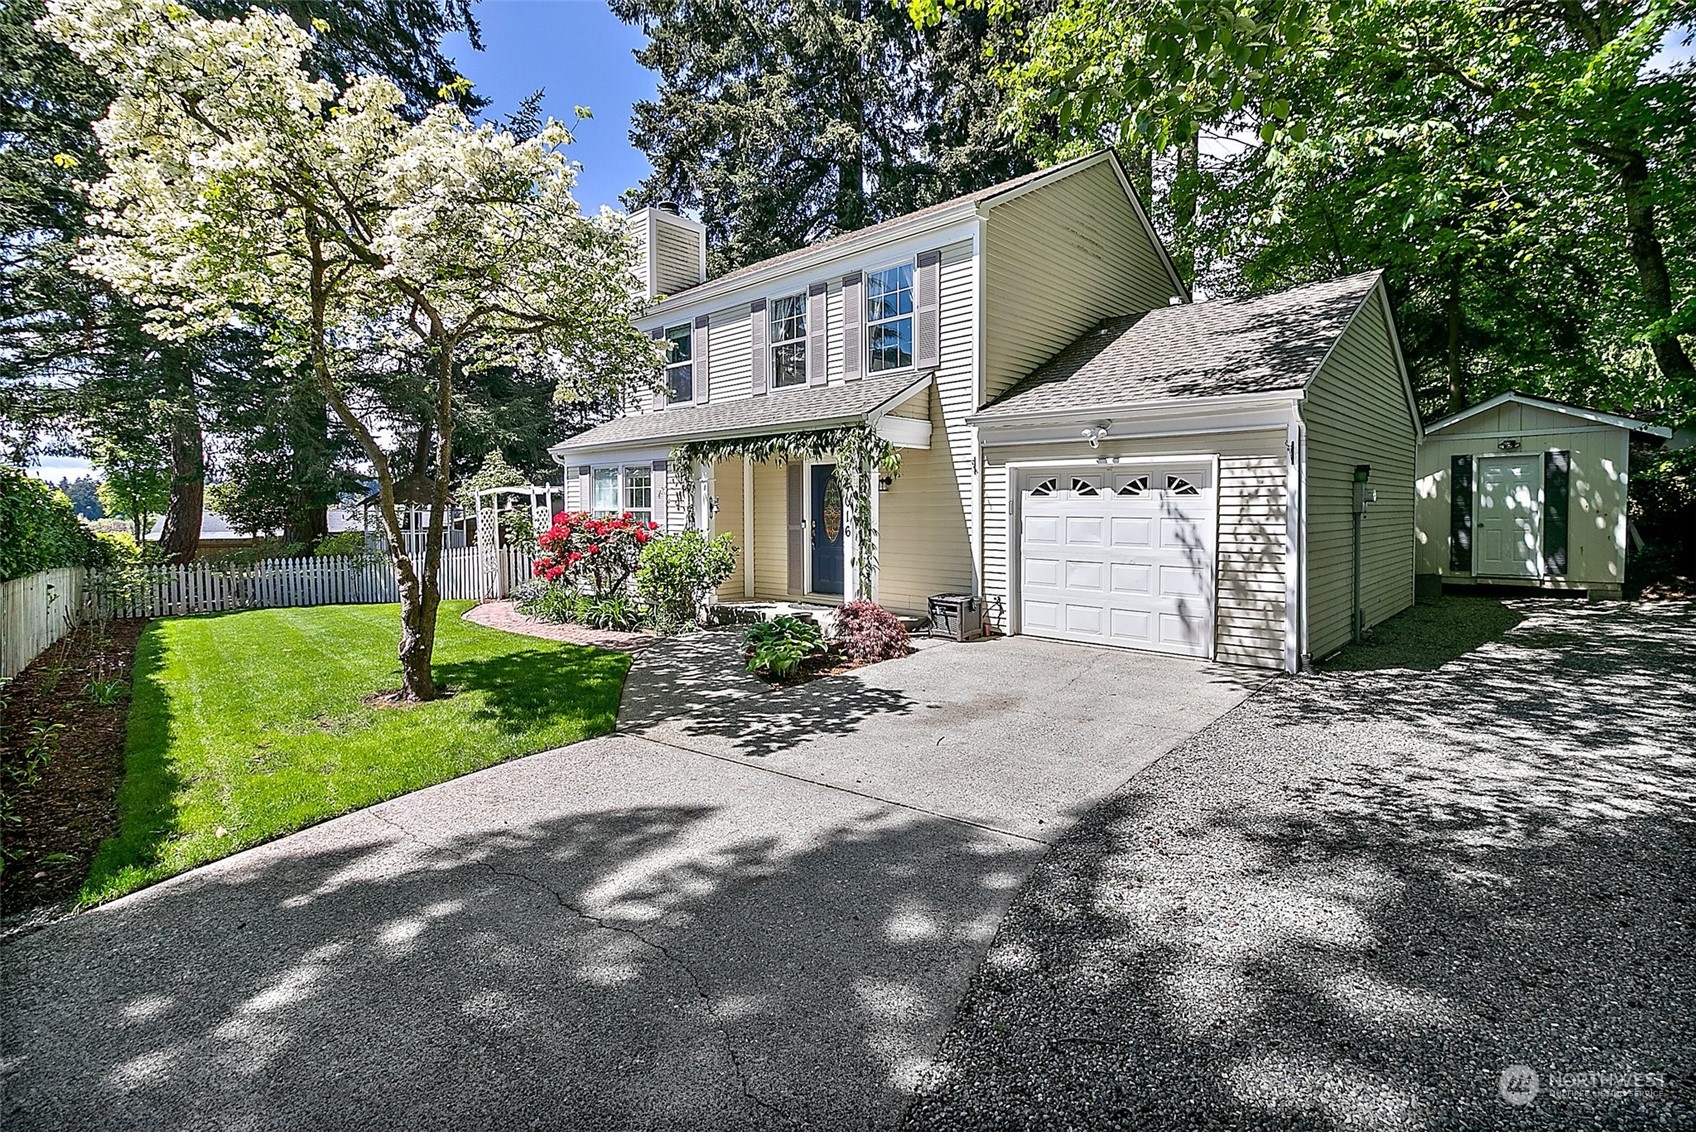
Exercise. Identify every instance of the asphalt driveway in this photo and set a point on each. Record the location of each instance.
(1432, 893)
(749, 908)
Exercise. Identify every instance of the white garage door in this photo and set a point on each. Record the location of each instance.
(1120, 556)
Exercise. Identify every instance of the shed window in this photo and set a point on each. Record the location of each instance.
(679, 365)
(788, 341)
(889, 318)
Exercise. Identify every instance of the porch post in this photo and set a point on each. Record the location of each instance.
(748, 527)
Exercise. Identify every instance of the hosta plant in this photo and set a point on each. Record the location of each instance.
(777, 647)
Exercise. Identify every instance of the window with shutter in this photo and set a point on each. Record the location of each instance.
(787, 341)
(702, 329)
(816, 296)
(853, 349)
(927, 311)
(889, 318)
(757, 329)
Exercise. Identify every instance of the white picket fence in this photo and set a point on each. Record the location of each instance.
(35, 612)
(274, 583)
(38, 610)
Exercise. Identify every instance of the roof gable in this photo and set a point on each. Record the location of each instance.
(820, 254)
(1222, 347)
(1595, 416)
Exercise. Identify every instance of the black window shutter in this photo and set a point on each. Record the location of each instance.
(1557, 501)
(1460, 514)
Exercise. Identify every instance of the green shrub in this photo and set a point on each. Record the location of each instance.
(1663, 507)
(39, 528)
(615, 612)
(549, 601)
(677, 574)
(347, 544)
(777, 647)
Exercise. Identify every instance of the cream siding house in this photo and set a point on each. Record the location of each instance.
(1095, 456)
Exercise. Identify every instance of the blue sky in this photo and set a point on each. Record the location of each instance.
(579, 54)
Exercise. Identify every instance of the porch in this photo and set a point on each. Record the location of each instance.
(829, 493)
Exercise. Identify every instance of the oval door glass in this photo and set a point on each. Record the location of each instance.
(832, 516)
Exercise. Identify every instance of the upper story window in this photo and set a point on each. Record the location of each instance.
(788, 341)
(889, 318)
(679, 364)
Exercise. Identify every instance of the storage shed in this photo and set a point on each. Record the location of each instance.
(1525, 491)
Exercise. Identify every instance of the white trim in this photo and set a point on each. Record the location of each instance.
(1401, 362)
(866, 323)
(1292, 544)
(904, 432)
(832, 262)
(688, 328)
(1596, 416)
(806, 352)
(747, 526)
(565, 450)
(1268, 416)
(974, 433)
(1168, 405)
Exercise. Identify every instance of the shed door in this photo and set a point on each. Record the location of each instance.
(1506, 523)
(1119, 557)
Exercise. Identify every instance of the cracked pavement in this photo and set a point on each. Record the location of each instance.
(748, 909)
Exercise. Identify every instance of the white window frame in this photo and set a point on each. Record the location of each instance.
(911, 317)
(688, 332)
(626, 487)
(621, 488)
(773, 342)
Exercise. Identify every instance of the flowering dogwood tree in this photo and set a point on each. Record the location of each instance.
(238, 182)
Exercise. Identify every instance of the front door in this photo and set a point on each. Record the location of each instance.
(827, 527)
(1506, 539)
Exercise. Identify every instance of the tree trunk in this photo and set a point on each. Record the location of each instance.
(420, 601)
(1458, 392)
(180, 537)
(1650, 258)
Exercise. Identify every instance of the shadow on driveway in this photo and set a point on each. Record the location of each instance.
(1356, 900)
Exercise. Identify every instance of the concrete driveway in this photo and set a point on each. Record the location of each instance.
(750, 908)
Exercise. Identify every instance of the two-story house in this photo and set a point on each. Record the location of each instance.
(1098, 457)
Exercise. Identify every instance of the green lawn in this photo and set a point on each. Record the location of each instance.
(249, 725)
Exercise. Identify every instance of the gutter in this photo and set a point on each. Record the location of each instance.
(1165, 404)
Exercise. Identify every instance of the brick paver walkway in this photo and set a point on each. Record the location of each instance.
(502, 615)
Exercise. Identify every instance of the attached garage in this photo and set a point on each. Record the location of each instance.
(1183, 481)
(1119, 556)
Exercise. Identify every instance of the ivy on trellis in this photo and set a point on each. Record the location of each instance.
(859, 453)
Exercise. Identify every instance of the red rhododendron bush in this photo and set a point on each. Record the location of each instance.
(594, 555)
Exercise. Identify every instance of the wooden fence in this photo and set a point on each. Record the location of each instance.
(274, 583)
(35, 612)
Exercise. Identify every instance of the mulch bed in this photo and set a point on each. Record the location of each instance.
(60, 820)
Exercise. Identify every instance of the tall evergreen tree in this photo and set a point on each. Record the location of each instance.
(787, 121)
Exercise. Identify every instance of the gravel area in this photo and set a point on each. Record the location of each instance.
(1361, 897)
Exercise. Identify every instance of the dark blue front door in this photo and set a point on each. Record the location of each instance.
(827, 530)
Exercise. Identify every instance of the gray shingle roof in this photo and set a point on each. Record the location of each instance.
(1208, 349)
(823, 406)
